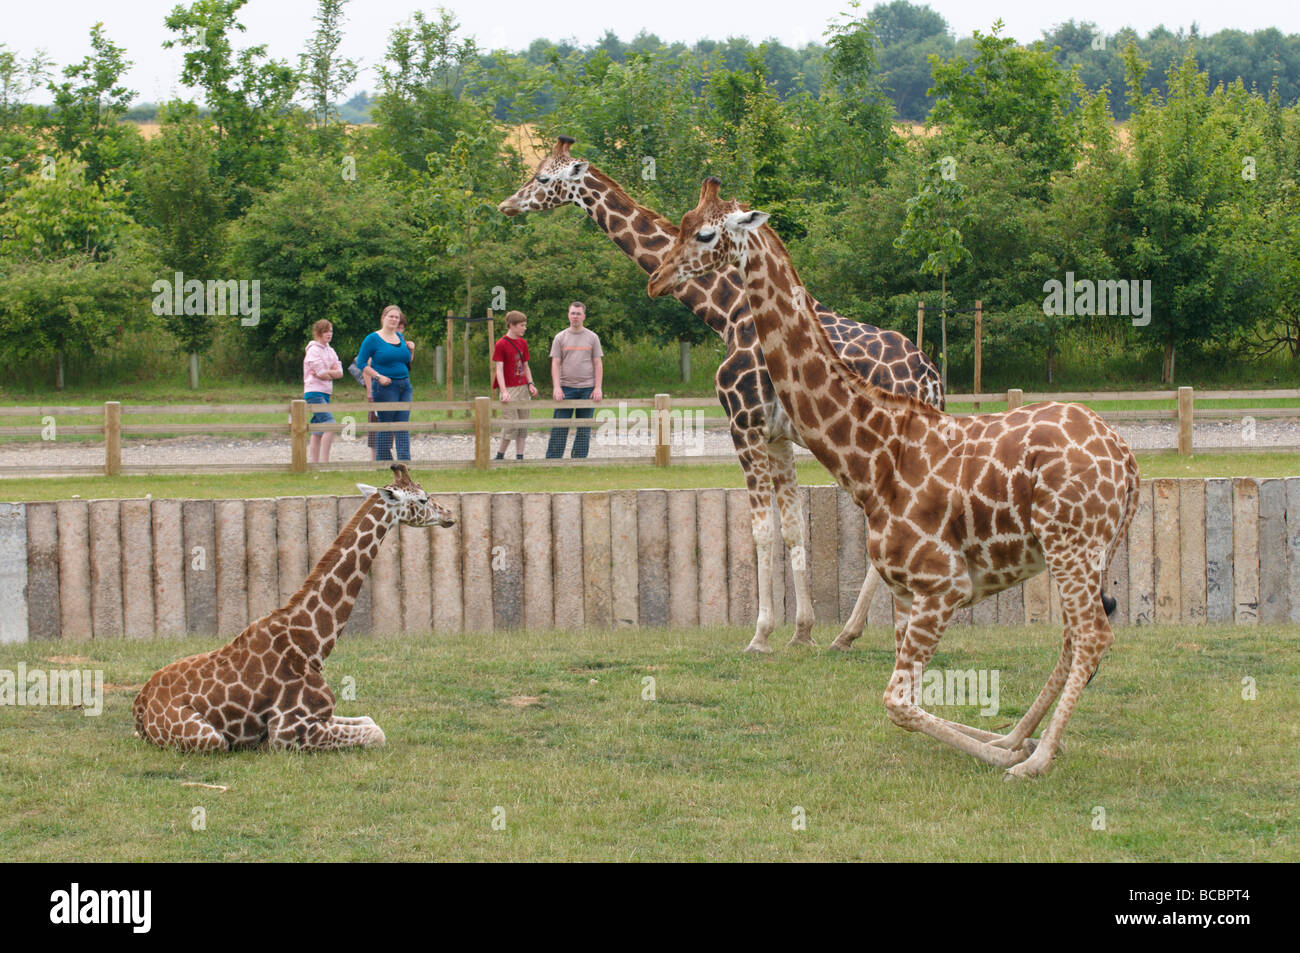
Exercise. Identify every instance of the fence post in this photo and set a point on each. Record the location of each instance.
(298, 436)
(451, 350)
(1185, 420)
(663, 430)
(112, 438)
(1015, 397)
(979, 352)
(920, 324)
(482, 432)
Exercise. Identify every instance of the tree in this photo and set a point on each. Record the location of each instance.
(866, 134)
(19, 120)
(324, 75)
(89, 106)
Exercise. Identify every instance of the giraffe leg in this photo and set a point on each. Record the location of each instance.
(858, 620)
(310, 733)
(181, 726)
(1029, 722)
(785, 483)
(755, 462)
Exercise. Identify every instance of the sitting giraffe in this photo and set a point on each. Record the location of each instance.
(266, 686)
(760, 429)
(958, 508)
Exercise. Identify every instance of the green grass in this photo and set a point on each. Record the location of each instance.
(536, 479)
(713, 769)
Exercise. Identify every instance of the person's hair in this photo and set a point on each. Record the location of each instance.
(515, 317)
(578, 304)
(401, 318)
(320, 327)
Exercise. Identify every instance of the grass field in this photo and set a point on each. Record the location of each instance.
(536, 479)
(551, 733)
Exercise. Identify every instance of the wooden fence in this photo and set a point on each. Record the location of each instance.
(480, 417)
(1197, 551)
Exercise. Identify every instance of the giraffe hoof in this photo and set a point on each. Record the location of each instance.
(758, 648)
(806, 641)
(842, 644)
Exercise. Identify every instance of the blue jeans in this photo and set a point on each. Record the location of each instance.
(398, 390)
(320, 416)
(560, 435)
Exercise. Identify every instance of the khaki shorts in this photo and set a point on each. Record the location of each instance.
(515, 410)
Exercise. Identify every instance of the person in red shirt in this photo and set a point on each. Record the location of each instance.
(512, 376)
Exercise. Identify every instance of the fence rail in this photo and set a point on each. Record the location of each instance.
(480, 416)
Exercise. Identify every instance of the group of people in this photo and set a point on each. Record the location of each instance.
(383, 367)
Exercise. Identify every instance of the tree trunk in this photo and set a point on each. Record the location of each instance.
(943, 327)
(194, 370)
(686, 361)
(58, 370)
(1167, 367)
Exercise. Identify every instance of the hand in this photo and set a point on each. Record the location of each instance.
(531, 389)
(557, 394)
(596, 394)
(385, 380)
(505, 397)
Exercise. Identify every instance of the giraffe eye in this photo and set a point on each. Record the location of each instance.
(543, 179)
(706, 236)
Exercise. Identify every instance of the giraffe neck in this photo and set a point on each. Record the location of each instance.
(337, 579)
(645, 237)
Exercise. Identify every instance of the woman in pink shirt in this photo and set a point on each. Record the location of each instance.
(320, 369)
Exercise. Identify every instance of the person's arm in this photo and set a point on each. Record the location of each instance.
(528, 372)
(556, 392)
(598, 363)
(499, 372)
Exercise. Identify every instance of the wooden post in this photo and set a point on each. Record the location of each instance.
(451, 342)
(482, 432)
(492, 340)
(1185, 421)
(468, 392)
(663, 430)
(1015, 397)
(112, 438)
(979, 352)
(920, 323)
(298, 436)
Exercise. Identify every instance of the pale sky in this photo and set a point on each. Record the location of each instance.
(62, 27)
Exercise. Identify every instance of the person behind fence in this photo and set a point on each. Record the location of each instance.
(512, 376)
(321, 367)
(366, 378)
(577, 369)
(386, 354)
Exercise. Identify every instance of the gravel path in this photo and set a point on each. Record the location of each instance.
(706, 441)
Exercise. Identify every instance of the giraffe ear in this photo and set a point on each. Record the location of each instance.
(579, 169)
(746, 220)
(366, 491)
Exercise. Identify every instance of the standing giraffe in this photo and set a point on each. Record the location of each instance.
(266, 685)
(760, 429)
(957, 508)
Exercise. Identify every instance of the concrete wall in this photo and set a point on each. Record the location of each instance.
(1198, 550)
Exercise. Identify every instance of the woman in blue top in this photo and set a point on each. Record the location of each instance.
(389, 358)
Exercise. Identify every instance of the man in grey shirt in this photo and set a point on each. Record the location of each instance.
(577, 369)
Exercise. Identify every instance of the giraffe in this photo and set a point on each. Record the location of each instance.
(266, 686)
(957, 508)
(760, 428)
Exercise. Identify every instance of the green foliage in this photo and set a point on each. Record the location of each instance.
(324, 75)
(56, 213)
(86, 116)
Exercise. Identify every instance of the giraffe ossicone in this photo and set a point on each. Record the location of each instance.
(266, 685)
(760, 428)
(958, 508)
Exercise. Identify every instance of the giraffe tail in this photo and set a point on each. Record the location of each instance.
(1108, 603)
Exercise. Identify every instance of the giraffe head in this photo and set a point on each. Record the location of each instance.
(555, 183)
(407, 502)
(715, 235)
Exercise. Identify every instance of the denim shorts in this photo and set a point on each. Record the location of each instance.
(316, 397)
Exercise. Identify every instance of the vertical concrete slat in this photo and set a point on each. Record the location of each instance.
(1141, 560)
(711, 524)
(1117, 582)
(823, 556)
(1054, 600)
(42, 571)
(291, 544)
(683, 560)
(13, 573)
(106, 569)
(1167, 565)
(597, 561)
(1191, 536)
(881, 609)
(74, 570)
(566, 535)
(137, 569)
(1245, 551)
(507, 561)
(416, 578)
(322, 528)
(539, 593)
(652, 569)
(476, 560)
(851, 560)
(780, 573)
(359, 622)
(263, 568)
(232, 567)
(742, 570)
(198, 527)
(624, 557)
(170, 618)
(1218, 551)
(1274, 599)
(386, 585)
(1011, 605)
(448, 590)
(1292, 545)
